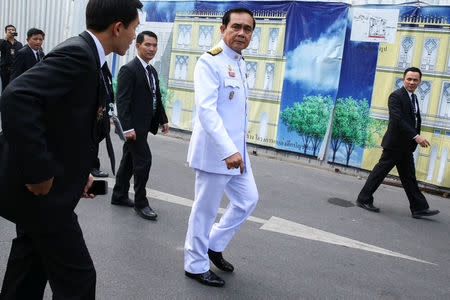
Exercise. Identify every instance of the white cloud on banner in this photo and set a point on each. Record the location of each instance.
(165, 8)
(316, 64)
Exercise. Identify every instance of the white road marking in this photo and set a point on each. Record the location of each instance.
(287, 227)
(280, 225)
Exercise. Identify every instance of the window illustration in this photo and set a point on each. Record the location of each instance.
(448, 62)
(429, 53)
(268, 76)
(176, 113)
(423, 95)
(432, 163)
(251, 72)
(184, 36)
(254, 42)
(442, 164)
(398, 83)
(205, 35)
(444, 102)
(181, 65)
(263, 120)
(416, 156)
(406, 52)
(273, 40)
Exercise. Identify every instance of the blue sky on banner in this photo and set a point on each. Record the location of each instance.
(313, 48)
(164, 11)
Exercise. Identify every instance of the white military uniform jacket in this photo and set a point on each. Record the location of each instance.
(221, 99)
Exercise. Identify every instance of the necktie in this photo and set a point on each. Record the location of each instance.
(413, 103)
(107, 100)
(152, 87)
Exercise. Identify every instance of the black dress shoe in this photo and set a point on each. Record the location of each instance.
(219, 261)
(207, 278)
(424, 213)
(146, 213)
(367, 206)
(123, 202)
(98, 173)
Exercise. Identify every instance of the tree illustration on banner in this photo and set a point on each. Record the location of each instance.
(166, 94)
(309, 119)
(352, 126)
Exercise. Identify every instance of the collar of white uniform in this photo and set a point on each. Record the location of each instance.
(229, 52)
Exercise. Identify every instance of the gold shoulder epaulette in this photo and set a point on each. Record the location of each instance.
(215, 51)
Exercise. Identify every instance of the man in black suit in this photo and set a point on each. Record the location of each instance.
(30, 54)
(140, 111)
(51, 129)
(399, 143)
(8, 49)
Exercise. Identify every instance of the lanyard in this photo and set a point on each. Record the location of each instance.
(110, 99)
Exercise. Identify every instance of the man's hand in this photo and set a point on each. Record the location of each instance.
(165, 128)
(422, 141)
(88, 186)
(131, 135)
(41, 188)
(235, 161)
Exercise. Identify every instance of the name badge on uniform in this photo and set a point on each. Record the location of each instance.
(231, 95)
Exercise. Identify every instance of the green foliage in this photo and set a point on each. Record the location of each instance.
(352, 126)
(309, 119)
(166, 94)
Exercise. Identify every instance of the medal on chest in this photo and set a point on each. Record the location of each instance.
(230, 71)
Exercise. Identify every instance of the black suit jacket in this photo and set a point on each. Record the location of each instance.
(48, 131)
(402, 127)
(24, 60)
(135, 102)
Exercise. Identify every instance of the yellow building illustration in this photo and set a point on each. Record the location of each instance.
(422, 42)
(197, 32)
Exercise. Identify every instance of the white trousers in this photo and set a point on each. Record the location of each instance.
(202, 233)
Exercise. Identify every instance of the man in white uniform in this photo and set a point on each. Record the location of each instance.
(218, 150)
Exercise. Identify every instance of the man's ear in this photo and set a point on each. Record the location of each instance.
(116, 28)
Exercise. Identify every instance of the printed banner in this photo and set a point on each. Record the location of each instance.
(315, 70)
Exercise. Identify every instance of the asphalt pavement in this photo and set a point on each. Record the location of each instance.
(305, 240)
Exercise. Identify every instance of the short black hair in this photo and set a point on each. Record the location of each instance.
(412, 69)
(102, 13)
(226, 16)
(7, 26)
(140, 37)
(34, 31)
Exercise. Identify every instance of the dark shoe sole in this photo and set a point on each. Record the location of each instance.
(194, 276)
(359, 204)
(424, 216)
(145, 216)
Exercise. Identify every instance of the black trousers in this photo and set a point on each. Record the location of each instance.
(5, 75)
(136, 161)
(60, 258)
(405, 166)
